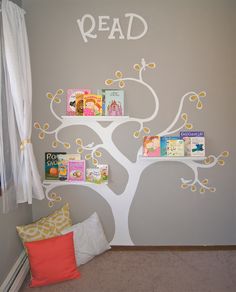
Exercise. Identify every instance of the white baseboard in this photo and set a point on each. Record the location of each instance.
(17, 274)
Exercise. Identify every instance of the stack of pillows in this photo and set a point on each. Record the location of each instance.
(56, 248)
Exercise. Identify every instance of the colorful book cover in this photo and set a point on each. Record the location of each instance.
(74, 101)
(194, 146)
(104, 172)
(102, 93)
(51, 165)
(92, 105)
(62, 166)
(97, 175)
(175, 147)
(163, 143)
(114, 102)
(63, 160)
(76, 170)
(151, 146)
(191, 134)
(93, 175)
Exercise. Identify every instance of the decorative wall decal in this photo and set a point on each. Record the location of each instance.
(120, 205)
(106, 23)
(94, 153)
(44, 130)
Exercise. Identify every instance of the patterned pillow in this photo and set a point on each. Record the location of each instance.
(46, 227)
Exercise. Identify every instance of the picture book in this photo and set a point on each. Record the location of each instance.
(151, 146)
(76, 170)
(197, 146)
(114, 102)
(163, 143)
(194, 146)
(191, 134)
(74, 101)
(63, 160)
(102, 93)
(104, 172)
(175, 147)
(51, 165)
(79, 104)
(93, 175)
(92, 105)
(62, 166)
(97, 175)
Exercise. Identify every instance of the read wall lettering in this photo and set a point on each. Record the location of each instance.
(106, 23)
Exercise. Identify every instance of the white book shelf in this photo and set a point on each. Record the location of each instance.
(168, 158)
(80, 119)
(66, 182)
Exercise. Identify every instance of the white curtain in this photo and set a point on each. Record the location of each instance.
(17, 73)
(7, 142)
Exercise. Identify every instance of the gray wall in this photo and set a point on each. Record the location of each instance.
(193, 44)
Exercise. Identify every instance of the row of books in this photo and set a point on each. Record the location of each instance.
(107, 102)
(186, 144)
(70, 167)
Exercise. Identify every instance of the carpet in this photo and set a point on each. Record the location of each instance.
(153, 271)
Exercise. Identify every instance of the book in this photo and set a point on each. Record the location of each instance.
(198, 146)
(92, 105)
(151, 146)
(194, 146)
(97, 175)
(51, 165)
(175, 147)
(76, 170)
(93, 175)
(114, 102)
(104, 172)
(102, 93)
(74, 101)
(63, 160)
(163, 146)
(62, 167)
(194, 143)
(191, 134)
(163, 143)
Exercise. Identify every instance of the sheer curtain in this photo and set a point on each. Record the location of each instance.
(7, 141)
(18, 108)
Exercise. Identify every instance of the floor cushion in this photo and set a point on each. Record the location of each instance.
(52, 260)
(89, 239)
(46, 227)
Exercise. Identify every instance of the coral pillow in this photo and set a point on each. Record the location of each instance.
(52, 260)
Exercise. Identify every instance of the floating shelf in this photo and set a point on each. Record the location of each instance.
(78, 119)
(65, 182)
(167, 158)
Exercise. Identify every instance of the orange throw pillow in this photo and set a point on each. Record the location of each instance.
(52, 260)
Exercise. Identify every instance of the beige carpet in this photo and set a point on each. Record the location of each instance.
(153, 271)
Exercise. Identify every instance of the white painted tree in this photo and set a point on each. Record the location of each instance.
(120, 204)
